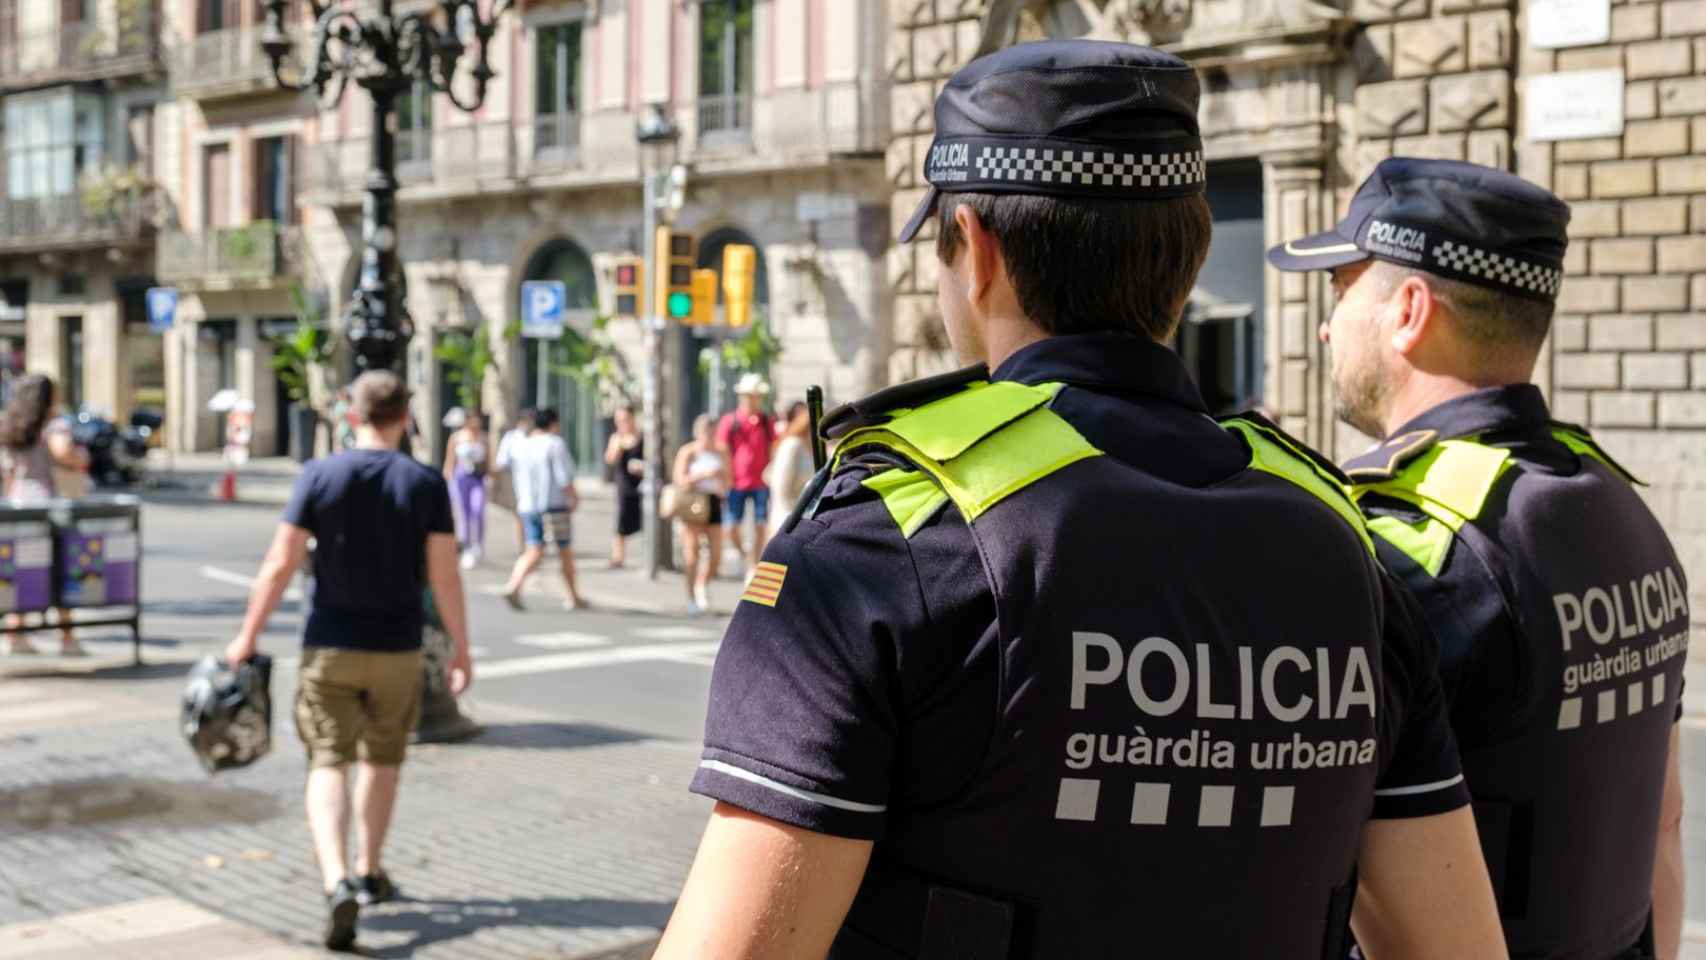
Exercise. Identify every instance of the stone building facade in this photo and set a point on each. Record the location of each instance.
(1314, 94)
(781, 107)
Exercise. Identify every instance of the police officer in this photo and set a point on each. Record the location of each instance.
(1053, 665)
(1560, 607)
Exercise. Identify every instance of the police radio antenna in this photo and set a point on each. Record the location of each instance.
(814, 410)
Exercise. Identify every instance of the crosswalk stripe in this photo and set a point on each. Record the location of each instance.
(584, 659)
(565, 640)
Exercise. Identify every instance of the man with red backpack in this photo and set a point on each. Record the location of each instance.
(746, 437)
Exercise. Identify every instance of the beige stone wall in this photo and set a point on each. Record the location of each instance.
(929, 40)
(1628, 351)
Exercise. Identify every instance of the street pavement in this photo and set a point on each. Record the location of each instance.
(563, 830)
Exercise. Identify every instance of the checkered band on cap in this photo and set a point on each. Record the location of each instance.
(1506, 271)
(1094, 168)
(1161, 168)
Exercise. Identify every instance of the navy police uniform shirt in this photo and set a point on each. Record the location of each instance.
(867, 689)
(1561, 614)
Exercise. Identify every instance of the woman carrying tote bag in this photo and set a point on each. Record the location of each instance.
(700, 478)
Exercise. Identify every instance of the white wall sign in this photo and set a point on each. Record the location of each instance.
(1575, 106)
(1568, 23)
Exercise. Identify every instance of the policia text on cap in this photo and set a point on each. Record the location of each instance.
(1559, 605)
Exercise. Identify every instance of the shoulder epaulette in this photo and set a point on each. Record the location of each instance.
(1583, 444)
(1276, 452)
(1386, 460)
(979, 443)
(890, 402)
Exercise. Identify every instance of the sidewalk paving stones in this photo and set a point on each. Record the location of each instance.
(541, 839)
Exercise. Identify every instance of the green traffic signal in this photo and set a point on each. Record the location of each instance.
(680, 305)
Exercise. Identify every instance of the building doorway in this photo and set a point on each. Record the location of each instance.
(544, 382)
(1221, 338)
(71, 362)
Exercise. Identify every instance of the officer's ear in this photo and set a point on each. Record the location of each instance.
(981, 250)
(1412, 310)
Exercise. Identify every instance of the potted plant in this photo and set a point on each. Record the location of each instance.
(297, 356)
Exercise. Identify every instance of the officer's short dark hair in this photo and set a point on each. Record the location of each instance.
(380, 398)
(1084, 264)
(1491, 319)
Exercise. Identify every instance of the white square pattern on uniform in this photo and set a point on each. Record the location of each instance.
(1091, 167)
(1499, 268)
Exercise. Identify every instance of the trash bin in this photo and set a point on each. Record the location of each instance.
(100, 550)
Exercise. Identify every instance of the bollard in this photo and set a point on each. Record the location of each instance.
(228, 486)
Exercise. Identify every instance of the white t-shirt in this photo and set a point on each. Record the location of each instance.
(506, 446)
(540, 467)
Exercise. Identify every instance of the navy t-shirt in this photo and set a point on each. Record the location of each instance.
(370, 512)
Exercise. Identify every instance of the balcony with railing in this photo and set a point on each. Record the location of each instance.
(725, 119)
(103, 48)
(226, 63)
(836, 119)
(465, 158)
(72, 220)
(257, 255)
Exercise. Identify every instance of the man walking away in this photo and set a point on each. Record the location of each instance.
(545, 499)
(746, 436)
(503, 484)
(378, 519)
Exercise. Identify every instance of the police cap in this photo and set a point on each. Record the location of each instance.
(1459, 220)
(1082, 118)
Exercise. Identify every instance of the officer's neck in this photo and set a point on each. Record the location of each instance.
(1007, 335)
(1422, 392)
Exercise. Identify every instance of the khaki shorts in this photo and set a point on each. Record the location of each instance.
(357, 705)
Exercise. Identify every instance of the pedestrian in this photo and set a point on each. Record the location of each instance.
(701, 477)
(625, 454)
(545, 499)
(791, 467)
(383, 532)
(36, 444)
(343, 422)
(1058, 665)
(467, 466)
(1559, 603)
(503, 476)
(746, 437)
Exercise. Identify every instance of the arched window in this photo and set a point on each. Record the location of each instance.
(564, 260)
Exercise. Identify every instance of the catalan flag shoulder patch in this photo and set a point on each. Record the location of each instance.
(766, 584)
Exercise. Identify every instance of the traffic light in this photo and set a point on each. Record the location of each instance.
(630, 287)
(704, 298)
(674, 285)
(740, 269)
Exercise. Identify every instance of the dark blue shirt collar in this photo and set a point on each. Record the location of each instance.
(1490, 408)
(1107, 362)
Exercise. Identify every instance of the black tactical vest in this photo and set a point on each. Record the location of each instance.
(1567, 762)
(1185, 749)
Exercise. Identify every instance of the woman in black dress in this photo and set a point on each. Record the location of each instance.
(626, 454)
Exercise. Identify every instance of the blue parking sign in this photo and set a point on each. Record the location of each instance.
(162, 308)
(542, 308)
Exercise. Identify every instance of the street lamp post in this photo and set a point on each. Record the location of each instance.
(386, 54)
(662, 181)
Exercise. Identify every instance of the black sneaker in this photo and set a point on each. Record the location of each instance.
(343, 906)
(374, 888)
